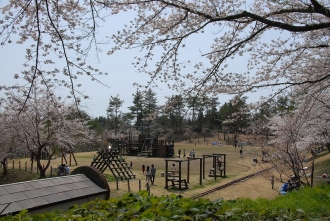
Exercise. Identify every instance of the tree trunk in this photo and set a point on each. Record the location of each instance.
(4, 166)
(312, 173)
(42, 170)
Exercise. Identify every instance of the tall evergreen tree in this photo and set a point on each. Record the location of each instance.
(211, 112)
(136, 110)
(192, 104)
(234, 117)
(113, 112)
(149, 106)
(176, 111)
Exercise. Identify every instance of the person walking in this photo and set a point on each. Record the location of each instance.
(272, 182)
(153, 173)
(184, 153)
(179, 152)
(148, 175)
(241, 152)
(131, 165)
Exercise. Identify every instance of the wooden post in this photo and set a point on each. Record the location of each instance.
(19, 165)
(224, 165)
(180, 175)
(70, 158)
(51, 171)
(200, 170)
(31, 167)
(62, 156)
(128, 185)
(215, 166)
(166, 174)
(188, 170)
(117, 183)
(203, 166)
(25, 166)
(148, 189)
(139, 185)
(13, 164)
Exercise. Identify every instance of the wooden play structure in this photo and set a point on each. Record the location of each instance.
(64, 152)
(179, 181)
(218, 168)
(145, 146)
(109, 158)
(71, 155)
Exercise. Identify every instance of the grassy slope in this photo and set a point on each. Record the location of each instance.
(14, 176)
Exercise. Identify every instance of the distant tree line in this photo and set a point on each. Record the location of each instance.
(180, 114)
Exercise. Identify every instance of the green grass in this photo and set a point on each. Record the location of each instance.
(109, 177)
(307, 202)
(320, 168)
(14, 176)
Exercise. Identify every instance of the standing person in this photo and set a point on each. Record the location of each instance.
(173, 169)
(241, 152)
(148, 175)
(184, 153)
(193, 153)
(131, 165)
(143, 169)
(272, 182)
(153, 173)
(219, 163)
(190, 153)
(179, 152)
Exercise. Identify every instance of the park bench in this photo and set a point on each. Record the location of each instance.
(212, 172)
(177, 182)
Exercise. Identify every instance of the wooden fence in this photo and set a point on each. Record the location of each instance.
(30, 167)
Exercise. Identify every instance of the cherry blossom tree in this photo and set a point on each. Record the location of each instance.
(58, 37)
(44, 125)
(298, 133)
(8, 142)
(285, 42)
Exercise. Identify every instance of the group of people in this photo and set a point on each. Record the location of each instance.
(192, 153)
(288, 186)
(150, 173)
(63, 170)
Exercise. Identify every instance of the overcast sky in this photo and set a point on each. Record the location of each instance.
(121, 76)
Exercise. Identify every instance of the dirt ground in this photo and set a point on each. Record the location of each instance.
(236, 167)
(258, 186)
